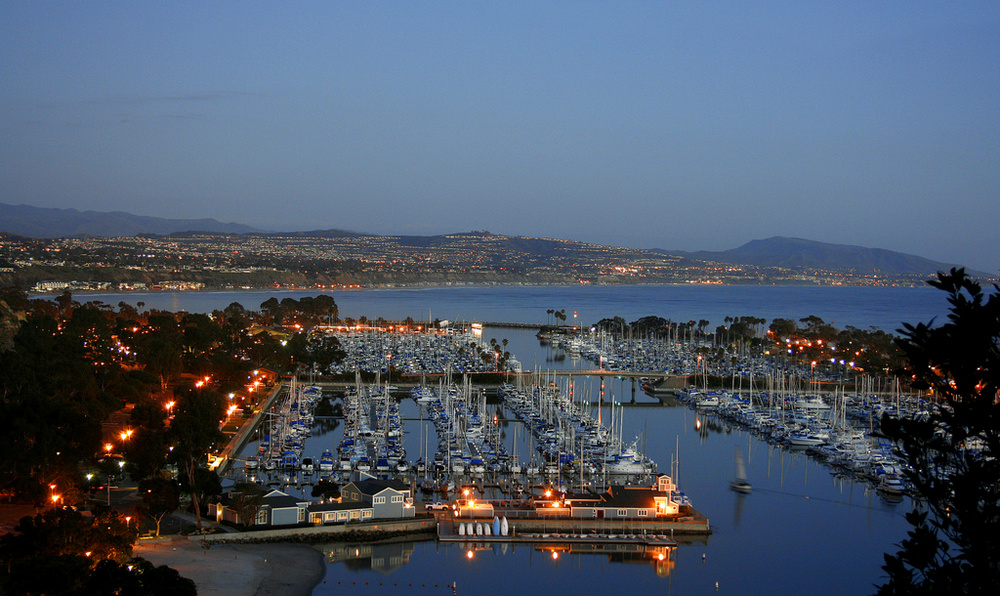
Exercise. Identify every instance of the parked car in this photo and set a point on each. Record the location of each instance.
(436, 506)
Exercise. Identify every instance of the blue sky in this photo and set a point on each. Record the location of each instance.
(673, 125)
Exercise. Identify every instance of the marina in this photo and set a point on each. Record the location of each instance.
(557, 424)
(799, 508)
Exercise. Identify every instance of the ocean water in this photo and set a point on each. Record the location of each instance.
(863, 307)
(802, 530)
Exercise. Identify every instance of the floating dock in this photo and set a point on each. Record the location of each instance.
(569, 530)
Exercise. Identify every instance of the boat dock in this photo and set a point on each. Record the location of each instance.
(574, 532)
(570, 530)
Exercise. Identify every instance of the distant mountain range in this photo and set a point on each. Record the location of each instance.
(780, 252)
(41, 222)
(797, 253)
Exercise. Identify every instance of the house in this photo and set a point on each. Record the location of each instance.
(276, 509)
(388, 498)
(281, 509)
(627, 502)
(339, 513)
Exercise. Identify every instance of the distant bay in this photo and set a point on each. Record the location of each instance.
(884, 308)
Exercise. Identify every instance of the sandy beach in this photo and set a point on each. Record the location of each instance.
(239, 569)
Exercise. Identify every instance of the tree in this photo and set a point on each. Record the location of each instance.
(271, 309)
(50, 409)
(146, 451)
(138, 576)
(161, 348)
(265, 350)
(247, 500)
(322, 352)
(194, 432)
(66, 532)
(952, 451)
(160, 497)
(817, 328)
(783, 328)
(326, 489)
(66, 303)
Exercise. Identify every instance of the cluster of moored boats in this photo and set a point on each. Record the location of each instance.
(373, 432)
(676, 357)
(412, 353)
(570, 440)
(568, 443)
(284, 433)
(467, 436)
(837, 429)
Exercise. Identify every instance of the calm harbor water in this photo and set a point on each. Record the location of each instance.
(802, 530)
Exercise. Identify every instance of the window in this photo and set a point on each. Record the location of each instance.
(261, 517)
(379, 501)
(397, 499)
(643, 512)
(366, 513)
(623, 513)
(302, 514)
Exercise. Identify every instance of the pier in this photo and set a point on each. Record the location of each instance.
(224, 462)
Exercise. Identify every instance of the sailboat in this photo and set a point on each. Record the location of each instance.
(740, 483)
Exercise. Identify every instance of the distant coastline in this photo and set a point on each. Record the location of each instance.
(331, 260)
(82, 289)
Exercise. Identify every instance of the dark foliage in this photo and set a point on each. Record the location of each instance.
(951, 449)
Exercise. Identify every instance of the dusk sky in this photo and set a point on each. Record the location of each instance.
(687, 125)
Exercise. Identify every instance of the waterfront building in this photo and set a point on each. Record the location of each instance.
(627, 502)
(281, 509)
(388, 498)
(339, 513)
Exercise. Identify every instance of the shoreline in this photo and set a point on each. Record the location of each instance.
(902, 283)
(239, 569)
